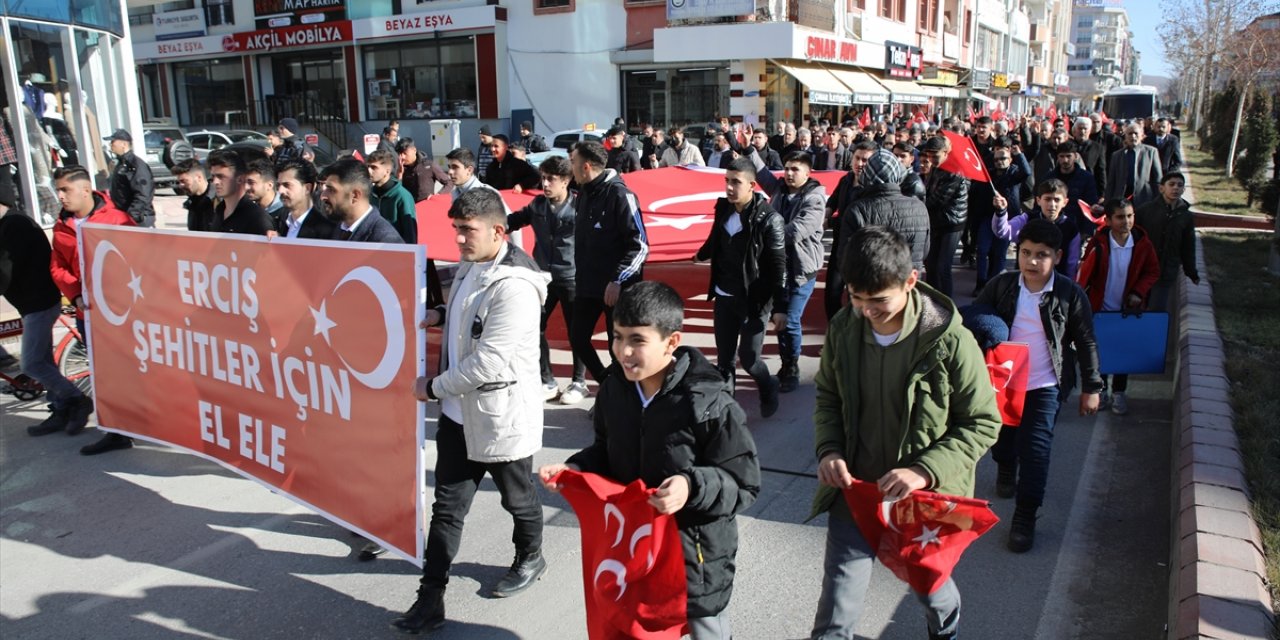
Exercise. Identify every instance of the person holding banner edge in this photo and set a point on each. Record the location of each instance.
(490, 394)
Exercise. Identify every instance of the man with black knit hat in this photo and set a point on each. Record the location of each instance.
(292, 147)
(533, 143)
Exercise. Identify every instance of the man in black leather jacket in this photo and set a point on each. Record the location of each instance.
(947, 198)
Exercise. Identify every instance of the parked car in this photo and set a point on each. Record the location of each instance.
(206, 141)
(164, 145)
(562, 141)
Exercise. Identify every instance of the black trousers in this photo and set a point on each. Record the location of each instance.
(457, 479)
(942, 253)
(563, 295)
(586, 313)
(740, 337)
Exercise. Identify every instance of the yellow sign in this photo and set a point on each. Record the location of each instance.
(1000, 80)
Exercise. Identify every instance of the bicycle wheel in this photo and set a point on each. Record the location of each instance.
(73, 362)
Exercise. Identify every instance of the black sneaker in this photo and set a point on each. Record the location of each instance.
(426, 614)
(789, 377)
(78, 415)
(57, 421)
(523, 573)
(1022, 534)
(109, 442)
(370, 551)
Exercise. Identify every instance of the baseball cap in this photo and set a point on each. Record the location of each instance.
(120, 134)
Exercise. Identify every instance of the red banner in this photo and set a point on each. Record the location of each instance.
(676, 202)
(921, 537)
(1009, 368)
(632, 562)
(290, 362)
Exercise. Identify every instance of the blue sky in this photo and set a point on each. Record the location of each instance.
(1144, 17)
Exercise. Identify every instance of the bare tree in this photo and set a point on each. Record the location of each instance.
(1250, 52)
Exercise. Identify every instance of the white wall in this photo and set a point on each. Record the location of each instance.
(543, 49)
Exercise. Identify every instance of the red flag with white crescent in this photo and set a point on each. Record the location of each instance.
(964, 158)
(633, 571)
(1007, 364)
(921, 537)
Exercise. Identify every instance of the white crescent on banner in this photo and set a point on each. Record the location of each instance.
(617, 569)
(643, 532)
(385, 372)
(612, 509)
(99, 302)
(886, 514)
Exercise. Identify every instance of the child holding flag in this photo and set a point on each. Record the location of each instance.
(665, 416)
(904, 401)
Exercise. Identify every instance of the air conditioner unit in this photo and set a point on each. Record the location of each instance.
(853, 26)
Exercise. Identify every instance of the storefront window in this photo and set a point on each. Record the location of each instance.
(783, 96)
(669, 97)
(52, 10)
(210, 92)
(421, 79)
(99, 116)
(47, 105)
(102, 14)
(373, 9)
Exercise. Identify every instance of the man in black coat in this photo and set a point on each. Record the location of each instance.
(193, 180)
(947, 199)
(131, 186)
(1093, 153)
(237, 212)
(881, 202)
(344, 191)
(1168, 145)
(767, 153)
(295, 182)
(507, 171)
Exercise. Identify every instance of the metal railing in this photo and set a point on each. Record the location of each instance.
(328, 118)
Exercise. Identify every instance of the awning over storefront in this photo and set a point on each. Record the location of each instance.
(823, 87)
(977, 95)
(865, 88)
(904, 92)
(945, 93)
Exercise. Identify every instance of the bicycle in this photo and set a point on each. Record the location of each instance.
(70, 355)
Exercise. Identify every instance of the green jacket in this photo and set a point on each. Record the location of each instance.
(395, 203)
(951, 411)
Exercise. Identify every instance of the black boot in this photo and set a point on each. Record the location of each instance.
(730, 376)
(523, 573)
(1006, 481)
(1022, 535)
(57, 421)
(109, 442)
(789, 376)
(426, 614)
(78, 415)
(769, 397)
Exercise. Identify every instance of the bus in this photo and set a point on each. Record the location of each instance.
(1130, 101)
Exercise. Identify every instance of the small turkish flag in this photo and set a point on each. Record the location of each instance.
(1087, 210)
(633, 570)
(1053, 113)
(964, 158)
(921, 537)
(864, 120)
(1008, 366)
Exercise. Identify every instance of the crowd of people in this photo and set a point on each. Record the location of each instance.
(1093, 209)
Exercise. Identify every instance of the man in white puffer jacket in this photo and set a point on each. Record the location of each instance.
(490, 392)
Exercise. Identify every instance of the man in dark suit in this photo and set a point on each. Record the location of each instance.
(833, 156)
(344, 191)
(295, 182)
(1093, 153)
(760, 140)
(1167, 145)
(1134, 171)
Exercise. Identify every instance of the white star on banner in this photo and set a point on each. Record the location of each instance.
(323, 323)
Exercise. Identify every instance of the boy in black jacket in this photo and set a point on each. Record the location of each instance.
(668, 419)
(747, 250)
(1050, 314)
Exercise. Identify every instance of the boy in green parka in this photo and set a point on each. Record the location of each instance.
(389, 197)
(903, 400)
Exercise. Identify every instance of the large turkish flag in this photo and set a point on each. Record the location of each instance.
(677, 205)
(633, 571)
(921, 537)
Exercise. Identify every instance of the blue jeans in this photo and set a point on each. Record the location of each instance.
(846, 572)
(991, 252)
(37, 356)
(1028, 445)
(790, 341)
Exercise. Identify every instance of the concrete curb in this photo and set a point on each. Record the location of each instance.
(1218, 577)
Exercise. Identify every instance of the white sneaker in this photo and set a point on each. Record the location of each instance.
(1119, 404)
(550, 390)
(574, 393)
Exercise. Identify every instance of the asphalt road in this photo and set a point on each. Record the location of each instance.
(154, 543)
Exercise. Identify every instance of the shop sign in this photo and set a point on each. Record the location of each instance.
(697, 9)
(174, 25)
(828, 97)
(300, 36)
(831, 49)
(940, 77)
(164, 49)
(274, 14)
(425, 23)
(1015, 86)
(1000, 80)
(902, 60)
(980, 79)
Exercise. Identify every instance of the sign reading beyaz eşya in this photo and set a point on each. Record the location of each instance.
(290, 362)
(271, 14)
